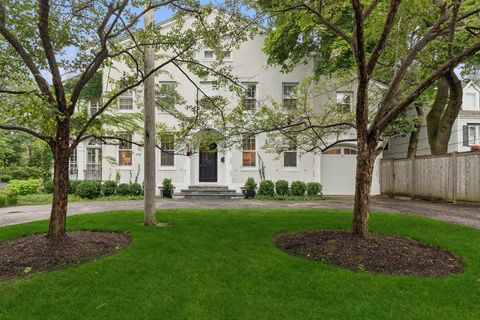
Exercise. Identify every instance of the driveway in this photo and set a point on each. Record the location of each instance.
(468, 215)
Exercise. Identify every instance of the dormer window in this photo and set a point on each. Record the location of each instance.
(208, 54)
(470, 101)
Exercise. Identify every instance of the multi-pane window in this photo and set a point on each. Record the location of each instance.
(289, 95)
(73, 166)
(344, 100)
(167, 95)
(208, 54)
(249, 152)
(250, 96)
(340, 151)
(290, 154)
(470, 101)
(125, 101)
(333, 151)
(167, 157)
(125, 152)
(474, 135)
(94, 106)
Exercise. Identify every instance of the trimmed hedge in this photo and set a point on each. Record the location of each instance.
(281, 187)
(109, 188)
(72, 186)
(314, 188)
(298, 188)
(88, 189)
(266, 188)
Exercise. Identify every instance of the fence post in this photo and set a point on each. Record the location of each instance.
(392, 178)
(454, 177)
(413, 180)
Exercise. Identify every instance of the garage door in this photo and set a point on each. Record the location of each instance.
(338, 171)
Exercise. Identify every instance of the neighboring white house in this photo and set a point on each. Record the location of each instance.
(334, 169)
(465, 130)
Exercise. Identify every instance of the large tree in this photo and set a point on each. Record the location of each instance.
(44, 42)
(364, 34)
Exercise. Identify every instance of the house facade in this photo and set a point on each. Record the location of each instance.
(465, 130)
(334, 169)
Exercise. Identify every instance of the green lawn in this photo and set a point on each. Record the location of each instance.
(220, 264)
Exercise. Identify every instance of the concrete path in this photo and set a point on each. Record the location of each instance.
(462, 214)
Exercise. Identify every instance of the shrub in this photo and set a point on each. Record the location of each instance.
(48, 186)
(88, 189)
(298, 188)
(5, 178)
(475, 148)
(167, 188)
(314, 188)
(109, 188)
(136, 189)
(7, 199)
(123, 189)
(23, 187)
(72, 186)
(250, 186)
(266, 188)
(281, 187)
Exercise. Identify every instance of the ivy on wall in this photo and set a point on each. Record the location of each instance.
(93, 89)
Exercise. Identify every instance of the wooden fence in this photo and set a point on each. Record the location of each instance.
(453, 177)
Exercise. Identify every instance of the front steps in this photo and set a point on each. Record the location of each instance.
(207, 192)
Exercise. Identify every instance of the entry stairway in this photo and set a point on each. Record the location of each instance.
(207, 192)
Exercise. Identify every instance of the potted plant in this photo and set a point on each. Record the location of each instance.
(475, 148)
(249, 188)
(167, 188)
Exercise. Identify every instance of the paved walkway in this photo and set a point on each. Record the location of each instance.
(461, 214)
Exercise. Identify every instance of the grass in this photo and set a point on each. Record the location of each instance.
(220, 264)
(46, 198)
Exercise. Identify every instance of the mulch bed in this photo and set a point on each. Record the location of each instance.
(23, 256)
(377, 254)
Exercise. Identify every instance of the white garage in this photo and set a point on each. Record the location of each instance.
(338, 167)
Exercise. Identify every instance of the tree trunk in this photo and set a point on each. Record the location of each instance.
(415, 135)
(445, 109)
(61, 157)
(363, 184)
(149, 148)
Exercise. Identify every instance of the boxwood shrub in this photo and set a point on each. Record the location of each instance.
(88, 189)
(281, 187)
(48, 186)
(135, 189)
(266, 188)
(109, 188)
(72, 186)
(314, 188)
(298, 188)
(123, 189)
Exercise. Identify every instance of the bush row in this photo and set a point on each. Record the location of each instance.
(91, 189)
(281, 188)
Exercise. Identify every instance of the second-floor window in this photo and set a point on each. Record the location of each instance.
(344, 100)
(250, 96)
(167, 95)
(290, 154)
(474, 135)
(167, 157)
(125, 101)
(289, 95)
(470, 101)
(94, 106)
(249, 151)
(125, 152)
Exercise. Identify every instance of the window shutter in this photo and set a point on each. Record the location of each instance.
(465, 136)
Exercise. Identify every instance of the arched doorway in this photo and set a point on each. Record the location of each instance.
(208, 170)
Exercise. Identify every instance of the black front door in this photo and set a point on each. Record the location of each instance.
(208, 164)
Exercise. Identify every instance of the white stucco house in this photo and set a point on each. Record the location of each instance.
(465, 131)
(334, 169)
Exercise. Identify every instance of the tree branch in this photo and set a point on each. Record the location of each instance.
(26, 130)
